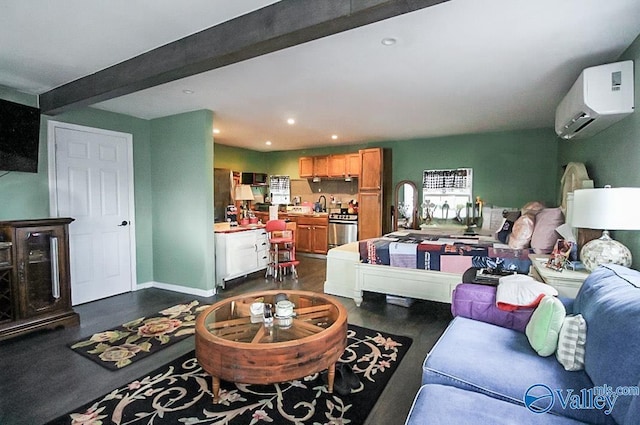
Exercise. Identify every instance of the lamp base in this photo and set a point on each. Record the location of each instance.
(604, 250)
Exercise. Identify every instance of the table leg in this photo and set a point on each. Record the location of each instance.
(216, 389)
(330, 378)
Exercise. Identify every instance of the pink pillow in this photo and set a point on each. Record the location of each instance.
(544, 235)
(520, 236)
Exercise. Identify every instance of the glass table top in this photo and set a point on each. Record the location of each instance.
(232, 319)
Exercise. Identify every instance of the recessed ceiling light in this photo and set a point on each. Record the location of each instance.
(187, 91)
(268, 143)
(389, 41)
(334, 136)
(291, 121)
(216, 131)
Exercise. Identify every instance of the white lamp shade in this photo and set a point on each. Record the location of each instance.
(607, 208)
(243, 193)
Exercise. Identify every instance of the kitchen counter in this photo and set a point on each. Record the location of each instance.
(226, 228)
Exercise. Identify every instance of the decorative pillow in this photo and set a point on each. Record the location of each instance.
(544, 233)
(544, 327)
(571, 341)
(505, 230)
(532, 208)
(520, 236)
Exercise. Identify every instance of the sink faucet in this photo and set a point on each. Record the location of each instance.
(324, 204)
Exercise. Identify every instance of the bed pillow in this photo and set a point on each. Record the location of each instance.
(520, 236)
(532, 208)
(571, 341)
(544, 326)
(544, 233)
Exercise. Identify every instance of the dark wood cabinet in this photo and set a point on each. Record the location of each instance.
(35, 287)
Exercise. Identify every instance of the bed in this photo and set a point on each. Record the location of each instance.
(428, 264)
(419, 264)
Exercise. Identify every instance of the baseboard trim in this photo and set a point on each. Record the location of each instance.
(177, 288)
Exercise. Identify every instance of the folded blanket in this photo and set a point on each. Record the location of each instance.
(521, 291)
(403, 254)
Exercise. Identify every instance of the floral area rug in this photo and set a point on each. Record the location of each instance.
(180, 393)
(135, 340)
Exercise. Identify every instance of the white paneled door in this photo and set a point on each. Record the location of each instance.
(92, 182)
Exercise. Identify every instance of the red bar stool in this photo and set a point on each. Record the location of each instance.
(282, 249)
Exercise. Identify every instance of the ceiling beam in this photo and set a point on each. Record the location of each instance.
(278, 26)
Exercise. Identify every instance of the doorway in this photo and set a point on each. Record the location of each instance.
(91, 180)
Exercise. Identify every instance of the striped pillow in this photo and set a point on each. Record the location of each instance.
(573, 336)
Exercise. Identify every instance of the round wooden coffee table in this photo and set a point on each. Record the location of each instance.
(234, 346)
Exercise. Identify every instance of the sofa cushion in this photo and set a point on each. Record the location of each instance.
(609, 301)
(573, 336)
(444, 405)
(500, 363)
(544, 327)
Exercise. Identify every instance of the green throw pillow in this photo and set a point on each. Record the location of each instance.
(545, 324)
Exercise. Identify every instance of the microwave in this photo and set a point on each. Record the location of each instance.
(254, 178)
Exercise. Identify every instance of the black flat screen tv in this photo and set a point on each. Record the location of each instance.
(19, 137)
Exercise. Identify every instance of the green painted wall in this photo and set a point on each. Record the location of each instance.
(613, 155)
(238, 159)
(510, 168)
(27, 194)
(182, 186)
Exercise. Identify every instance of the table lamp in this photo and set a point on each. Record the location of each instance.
(608, 209)
(244, 193)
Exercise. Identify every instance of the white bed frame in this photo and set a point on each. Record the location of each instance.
(347, 277)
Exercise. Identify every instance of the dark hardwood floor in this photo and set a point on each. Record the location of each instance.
(41, 378)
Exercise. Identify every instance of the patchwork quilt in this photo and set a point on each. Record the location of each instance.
(439, 253)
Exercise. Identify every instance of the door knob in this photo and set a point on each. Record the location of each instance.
(124, 223)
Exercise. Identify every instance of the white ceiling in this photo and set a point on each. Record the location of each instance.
(464, 66)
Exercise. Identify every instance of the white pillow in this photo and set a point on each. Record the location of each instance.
(573, 336)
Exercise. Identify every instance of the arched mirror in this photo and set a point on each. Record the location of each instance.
(406, 205)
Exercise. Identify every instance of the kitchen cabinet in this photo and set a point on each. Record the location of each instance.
(35, 285)
(240, 252)
(321, 166)
(371, 169)
(312, 234)
(347, 165)
(334, 166)
(313, 166)
(353, 164)
(369, 215)
(374, 193)
(337, 165)
(305, 166)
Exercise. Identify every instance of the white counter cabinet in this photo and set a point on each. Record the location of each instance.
(240, 252)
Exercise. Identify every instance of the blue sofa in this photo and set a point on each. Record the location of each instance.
(479, 373)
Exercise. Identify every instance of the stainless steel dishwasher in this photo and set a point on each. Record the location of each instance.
(343, 228)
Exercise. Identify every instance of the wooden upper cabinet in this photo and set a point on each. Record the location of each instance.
(337, 165)
(321, 166)
(370, 169)
(305, 166)
(353, 164)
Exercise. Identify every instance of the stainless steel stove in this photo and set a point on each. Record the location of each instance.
(343, 229)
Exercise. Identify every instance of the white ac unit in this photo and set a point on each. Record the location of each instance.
(601, 96)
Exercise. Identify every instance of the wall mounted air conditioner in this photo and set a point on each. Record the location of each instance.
(601, 96)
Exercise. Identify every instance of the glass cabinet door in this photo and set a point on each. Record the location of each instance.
(38, 269)
(7, 308)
